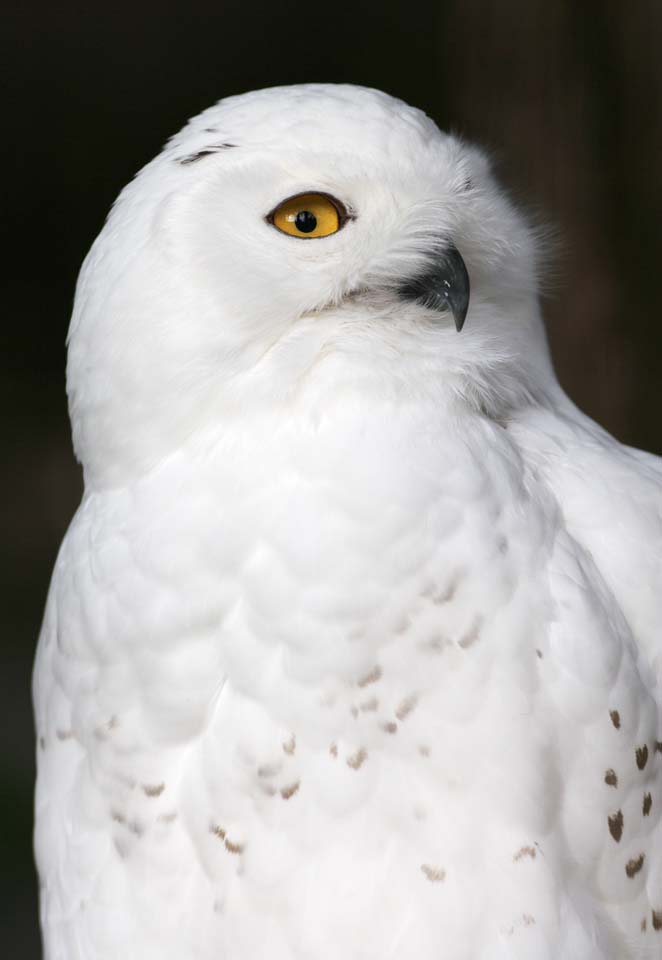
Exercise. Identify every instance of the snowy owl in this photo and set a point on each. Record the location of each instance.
(352, 650)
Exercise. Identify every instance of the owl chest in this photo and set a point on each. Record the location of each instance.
(317, 655)
(290, 568)
(297, 531)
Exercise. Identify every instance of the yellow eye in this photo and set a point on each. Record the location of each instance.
(309, 215)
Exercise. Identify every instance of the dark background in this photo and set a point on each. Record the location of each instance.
(565, 94)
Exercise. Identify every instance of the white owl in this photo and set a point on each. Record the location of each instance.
(352, 650)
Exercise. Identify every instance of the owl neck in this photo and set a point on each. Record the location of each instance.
(352, 364)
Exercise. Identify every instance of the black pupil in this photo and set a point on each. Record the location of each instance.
(305, 221)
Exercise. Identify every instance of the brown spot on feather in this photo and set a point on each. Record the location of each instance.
(656, 917)
(647, 804)
(525, 852)
(101, 732)
(610, 778)
(615, 718)
(641, 754)
(616, 825)
(153, 790)
(289, 791)
(372, 677)
(434, 874)
(369, 706)
(435, 645)
(233, 847)
(471, 635)
(632, 867)
(357, 759)
(291, 745)
(405, 708)
(268, 770)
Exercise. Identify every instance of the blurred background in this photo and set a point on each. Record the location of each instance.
(567, 97)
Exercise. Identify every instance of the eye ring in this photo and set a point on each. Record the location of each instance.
(284, 215)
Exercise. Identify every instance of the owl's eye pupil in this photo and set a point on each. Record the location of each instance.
(305, 221)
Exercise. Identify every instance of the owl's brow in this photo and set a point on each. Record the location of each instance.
(206, 152)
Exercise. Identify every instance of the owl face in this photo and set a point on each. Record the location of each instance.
(339, 193)
(286, 224)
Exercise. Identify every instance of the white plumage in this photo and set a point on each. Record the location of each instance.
(352, 650)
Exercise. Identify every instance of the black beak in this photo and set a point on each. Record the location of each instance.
(443, 286)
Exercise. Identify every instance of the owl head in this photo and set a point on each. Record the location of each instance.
(292, 246)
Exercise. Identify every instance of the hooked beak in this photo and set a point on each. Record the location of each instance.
(444, 285)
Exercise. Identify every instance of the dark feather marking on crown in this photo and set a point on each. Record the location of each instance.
(208, 151)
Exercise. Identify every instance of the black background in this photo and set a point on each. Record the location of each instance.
(566, 95)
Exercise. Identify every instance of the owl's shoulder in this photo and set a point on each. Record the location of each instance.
(610, 498)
